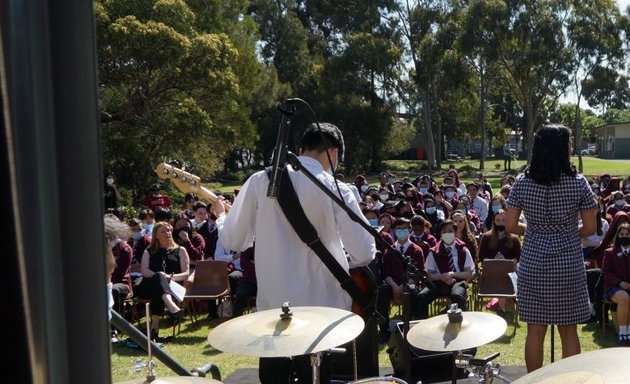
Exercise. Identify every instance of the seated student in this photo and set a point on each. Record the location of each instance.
(617, 203)
(598, 253)
(497, 243)
(450, 266)
(590, 243)
(616, 273)
(372, 216)
(246, 287)
(139, 241)
(393, 274)
(194, 243)
(433, 215)
(421, 234)
(463, 233)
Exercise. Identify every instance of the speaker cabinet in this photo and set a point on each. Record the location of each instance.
(426, 366)
(366, 354)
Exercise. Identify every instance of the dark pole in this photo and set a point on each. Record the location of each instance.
(55, 189)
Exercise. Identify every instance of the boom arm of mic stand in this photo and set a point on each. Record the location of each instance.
(280, 151)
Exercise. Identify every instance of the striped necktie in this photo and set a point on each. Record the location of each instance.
(451, 264)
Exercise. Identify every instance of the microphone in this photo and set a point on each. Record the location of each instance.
(280, 151)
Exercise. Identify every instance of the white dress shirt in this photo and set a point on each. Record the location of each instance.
(286, 268)
(431, 266)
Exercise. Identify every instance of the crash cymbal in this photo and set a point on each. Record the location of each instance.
(175, 380)
(608, 365)
(439, 334)
(265, 334)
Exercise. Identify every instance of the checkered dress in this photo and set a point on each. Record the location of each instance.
(551, 274)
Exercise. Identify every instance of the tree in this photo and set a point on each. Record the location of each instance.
(595, 37)
(534, 58)
(167, 90)
(606, 88)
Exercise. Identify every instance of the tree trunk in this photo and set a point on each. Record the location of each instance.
(428, 132)
(482, 117)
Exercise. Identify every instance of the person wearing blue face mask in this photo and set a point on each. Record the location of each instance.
(147, 216)
(496, 204)
(394, 277)
(433, 215)
(372, 215)
(138, 241)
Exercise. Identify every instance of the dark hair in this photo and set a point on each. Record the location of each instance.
(190, 196)
(550, 155)
(163, 215)
(444, 224)
(401, 221)
(625, 226)
(199, 204)
(323, 137)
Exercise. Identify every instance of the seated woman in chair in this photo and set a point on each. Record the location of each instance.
(497, 243)
(615, 270)
(164, 261)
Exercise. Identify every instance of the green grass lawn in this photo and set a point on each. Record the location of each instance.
(190, 349)
(493, 171)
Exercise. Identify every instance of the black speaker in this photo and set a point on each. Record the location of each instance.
(426, 366)
(366, 354)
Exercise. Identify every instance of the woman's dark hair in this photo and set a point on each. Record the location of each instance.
(550, 155)
(625, 226)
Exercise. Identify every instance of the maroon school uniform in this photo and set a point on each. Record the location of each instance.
(122, 254)
(392, 265)
(485, 252)
(615, 268)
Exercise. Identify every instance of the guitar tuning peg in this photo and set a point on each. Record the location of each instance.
(184, 179)
(193, 182)
(175, 175)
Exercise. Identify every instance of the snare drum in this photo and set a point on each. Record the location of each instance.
(380, 380)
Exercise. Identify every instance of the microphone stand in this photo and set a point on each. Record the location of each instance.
(409, 268)
(280, 151)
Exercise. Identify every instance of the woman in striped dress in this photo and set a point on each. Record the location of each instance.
(551, 275)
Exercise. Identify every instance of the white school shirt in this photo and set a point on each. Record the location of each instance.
(431, 265)
(286, 268)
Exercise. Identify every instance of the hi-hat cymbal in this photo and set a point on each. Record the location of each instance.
(438, 334)
(608, 365)
(176, 380)
(264, 334)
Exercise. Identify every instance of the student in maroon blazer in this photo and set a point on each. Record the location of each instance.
(450, 266)
(616, 273)
(394, 273)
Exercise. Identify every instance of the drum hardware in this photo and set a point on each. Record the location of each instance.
(292, 332)
(195, 376)
(484, 368)
(455, 331)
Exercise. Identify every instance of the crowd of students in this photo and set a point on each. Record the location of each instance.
(431, 222)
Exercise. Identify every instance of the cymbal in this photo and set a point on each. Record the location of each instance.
(438, 334)
(264, 334)
(608, 365)
(176, 380)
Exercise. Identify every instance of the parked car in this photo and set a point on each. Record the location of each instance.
(588, 152)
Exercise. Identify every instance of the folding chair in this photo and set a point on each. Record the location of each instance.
(494, 281)
(211, 283)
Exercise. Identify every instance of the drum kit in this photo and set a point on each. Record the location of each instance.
(293, 331)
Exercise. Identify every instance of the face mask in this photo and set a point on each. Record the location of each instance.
(383, 197)
(448, 238)
(110, 180)
(449, 195)
(620, 203)
(364, 188)
(424, 190)
(624, 241)
(430, 210)
(110, 300)
(137, 235)
(373, 222)
(496, 208)
(499, 227)
(148, 227)
(402, 234)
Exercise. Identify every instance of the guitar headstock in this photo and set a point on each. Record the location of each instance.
(184, 181)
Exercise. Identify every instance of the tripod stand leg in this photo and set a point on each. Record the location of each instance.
(316, 360)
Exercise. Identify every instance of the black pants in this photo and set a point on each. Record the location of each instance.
(507, 162)
(244, 291)
(457, 294)
(152, 288)
(280, 370)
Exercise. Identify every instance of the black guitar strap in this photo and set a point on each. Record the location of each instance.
(290, 204)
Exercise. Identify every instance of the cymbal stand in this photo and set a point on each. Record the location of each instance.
(484, 368)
